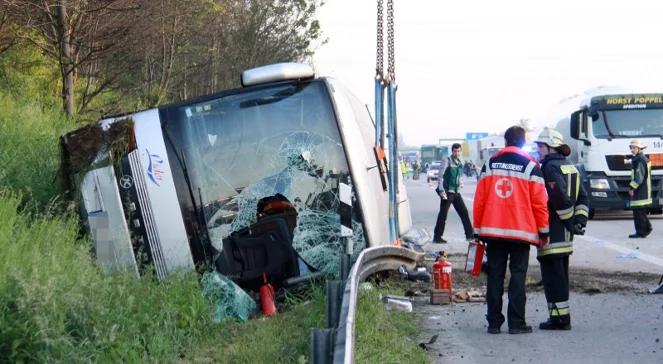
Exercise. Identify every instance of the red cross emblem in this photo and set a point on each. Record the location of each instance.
(504, 188)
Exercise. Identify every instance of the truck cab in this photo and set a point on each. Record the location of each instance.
(600, 132)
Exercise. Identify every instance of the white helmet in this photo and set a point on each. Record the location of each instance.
(553, 139)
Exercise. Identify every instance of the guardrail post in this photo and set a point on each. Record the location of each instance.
(345, 266)
(334, 297)
(321, 345)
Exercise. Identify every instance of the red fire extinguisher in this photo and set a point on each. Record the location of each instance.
(267, 298)
(442, 273)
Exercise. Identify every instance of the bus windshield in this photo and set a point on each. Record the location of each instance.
(628, 123)
(241, 148)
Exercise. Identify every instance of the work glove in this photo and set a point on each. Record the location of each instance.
(574, 227)
(579, 222)
(579, 229)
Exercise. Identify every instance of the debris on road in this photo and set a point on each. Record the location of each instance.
(432, 340)
(231, 300)
(470, 295)
(398, 303)
(420, 274)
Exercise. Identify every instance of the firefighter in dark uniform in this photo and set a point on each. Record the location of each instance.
(640, 190)
(567, 203)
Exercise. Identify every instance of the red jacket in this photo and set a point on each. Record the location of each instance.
(511, 199)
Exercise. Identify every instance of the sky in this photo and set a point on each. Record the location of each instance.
(482, 65)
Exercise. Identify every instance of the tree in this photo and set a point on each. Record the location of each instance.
(7, 38)
(74, 33)
(159, 50)
(161, 39)
(242, 35)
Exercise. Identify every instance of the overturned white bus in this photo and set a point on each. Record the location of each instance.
(237, 179)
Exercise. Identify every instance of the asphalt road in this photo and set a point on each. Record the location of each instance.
(616, 326)
(605, 245)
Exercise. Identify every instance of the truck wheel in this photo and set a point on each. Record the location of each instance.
(591, 214)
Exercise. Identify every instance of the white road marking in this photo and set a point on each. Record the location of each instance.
(626, 251)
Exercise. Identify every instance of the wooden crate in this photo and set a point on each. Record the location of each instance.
(440, 297)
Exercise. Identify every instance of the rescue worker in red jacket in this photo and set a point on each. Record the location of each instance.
(510, 214)
(567, 203)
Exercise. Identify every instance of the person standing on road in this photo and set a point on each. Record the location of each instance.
(405, 169)
(448, 188)
(510, 213)
(640, 190)
(567, 203)
(416, 169)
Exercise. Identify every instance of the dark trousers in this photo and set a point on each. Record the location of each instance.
(555, 276)
(456, 200)
(642, 225)
(517, 253)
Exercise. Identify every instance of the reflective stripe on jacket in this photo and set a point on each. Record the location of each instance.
(641, 181)
(510, 200)
(567, 203)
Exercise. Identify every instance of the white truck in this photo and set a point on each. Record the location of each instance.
(599, 132)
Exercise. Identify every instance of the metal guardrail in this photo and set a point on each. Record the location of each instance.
(336, 343)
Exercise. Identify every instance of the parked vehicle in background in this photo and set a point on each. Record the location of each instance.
(434, 170)
(431, 153)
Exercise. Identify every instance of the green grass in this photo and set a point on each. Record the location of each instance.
(381, 336)
(386, 336)
(29, 148)
(283, 338)
(55, 305)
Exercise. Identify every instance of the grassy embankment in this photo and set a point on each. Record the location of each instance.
(56, 306)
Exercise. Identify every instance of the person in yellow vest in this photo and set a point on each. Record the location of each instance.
(404, 169)
(640, 190)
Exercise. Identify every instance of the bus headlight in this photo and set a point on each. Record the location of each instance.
(599, 184)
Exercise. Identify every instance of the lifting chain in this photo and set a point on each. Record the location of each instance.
(391, 68)
(379, 72)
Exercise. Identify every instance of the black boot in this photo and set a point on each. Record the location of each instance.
(555, 324)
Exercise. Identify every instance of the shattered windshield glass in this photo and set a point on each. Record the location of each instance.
(283, 139)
